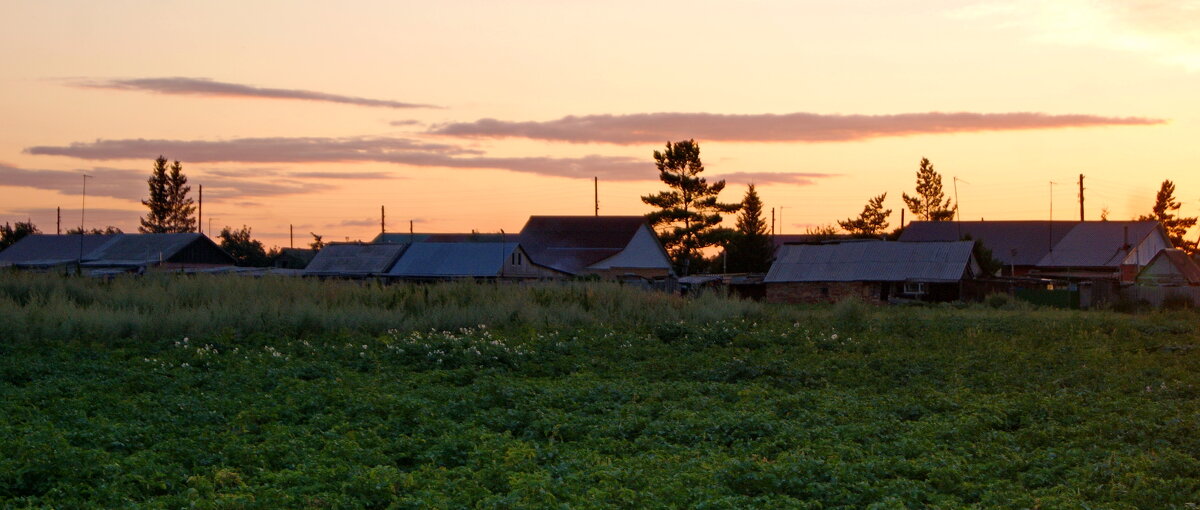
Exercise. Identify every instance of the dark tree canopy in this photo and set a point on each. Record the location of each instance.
(170, 207)
(318, 242)
(928, 204)
(750, 249)
(245, 251)
(10, 234)
(95, 231)
(1165, 211)
(872, 222)
(688, 214)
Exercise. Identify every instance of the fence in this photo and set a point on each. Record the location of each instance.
(1180, 296)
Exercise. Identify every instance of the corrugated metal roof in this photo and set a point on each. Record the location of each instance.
(448, 260)
(572, 243)
(874, 261)
(143, 249)
(43, 250)
(354, 259)
(1187, 269)
(473, 237)
(1097, 243)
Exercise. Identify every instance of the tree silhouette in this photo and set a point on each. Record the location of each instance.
(750, 249)
(928, 204)
(1164, 212)
(10, 234)
(170, 208)
(318, 242)
(95, 231)
(688, 214)
(245, 251)
(872, 222)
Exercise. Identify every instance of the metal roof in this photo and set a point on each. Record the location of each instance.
(354, 259)
(874, 261)
(145, 249)
(1188, 271)
(45, 250)
(1030, 243)
(448, 260)
(474, 237)
(572, 243)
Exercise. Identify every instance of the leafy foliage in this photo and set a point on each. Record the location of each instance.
(688, 214)
(10, 234)
(601, 397)
(872, 222)
(1165, 212)
(170, 207)
(928, 204)
(246, 252)
(750, 249)
(109, 230)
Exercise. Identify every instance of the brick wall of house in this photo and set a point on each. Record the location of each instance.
(811, 292)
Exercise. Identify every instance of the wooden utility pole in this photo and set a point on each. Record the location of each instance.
(200, 212)
(58, 224)
(772, 221)
(596, 192)
(382, 221)
(1080, 197)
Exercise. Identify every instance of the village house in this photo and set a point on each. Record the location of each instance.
(354, 260)
(1170, 268)
(1073, 250)
(116, 252)
(872, 271)
(608, 246)
(458, 260)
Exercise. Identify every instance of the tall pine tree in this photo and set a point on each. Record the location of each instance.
(1165, 212)
(688, 214)
(751, 249)
(170, 207)
(928, 204)
(872, 222)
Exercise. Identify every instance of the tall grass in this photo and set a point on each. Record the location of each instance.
(35, 307)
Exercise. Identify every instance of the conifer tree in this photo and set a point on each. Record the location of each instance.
(872, 222)
(751, 249)
(928, 204)
(687, 216)
(1165, 212)
(170, 207)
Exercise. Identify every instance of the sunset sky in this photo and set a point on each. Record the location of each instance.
(475, 115)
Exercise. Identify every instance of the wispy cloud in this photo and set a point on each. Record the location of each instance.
(405, 122)
(365, 222)
(791, 127)
(210, 88)
(344, 150)
(1167, 31)
(796, 178)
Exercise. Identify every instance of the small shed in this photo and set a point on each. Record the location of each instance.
(873, 271)
(1170, 268)
(455, 260)
(354, 260)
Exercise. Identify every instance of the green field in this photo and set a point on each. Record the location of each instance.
(232, 392)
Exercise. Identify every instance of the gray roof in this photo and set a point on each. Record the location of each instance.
(474, 237)
(143, 249)
(109, 250)
(354, 259)
(449, 260)
(1029, 243)
(874, 261)
(45, 250)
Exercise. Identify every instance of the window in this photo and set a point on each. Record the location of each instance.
(914, 288)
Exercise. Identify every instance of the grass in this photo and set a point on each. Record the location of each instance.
(591, 396)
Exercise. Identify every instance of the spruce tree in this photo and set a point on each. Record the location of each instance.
(751, 249)
(928, 204)
(1165, 212)
(170, 207)
(872, 222)
(687, 216)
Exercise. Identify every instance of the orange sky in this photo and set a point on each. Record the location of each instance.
(475, 115)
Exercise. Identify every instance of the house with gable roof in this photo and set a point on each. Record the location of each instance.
(608, 246)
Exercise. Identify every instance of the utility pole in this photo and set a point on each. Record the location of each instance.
(82, 220)
(58, 224)
(1050, 229)
(1080, 197)
(382, 221)
(772, 221)
(902, 218)
(596, 192)
(411, 237)
(291, 236)
(200, 213)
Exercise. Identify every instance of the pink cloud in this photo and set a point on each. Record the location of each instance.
(210, 88)
(791, 127)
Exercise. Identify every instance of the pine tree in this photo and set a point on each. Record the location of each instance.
(928, 204)
(688, 215)
(751, 249)
(872, 222)
(1164, 212)
(170, 207)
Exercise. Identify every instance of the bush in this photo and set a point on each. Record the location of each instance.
(849, 313)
